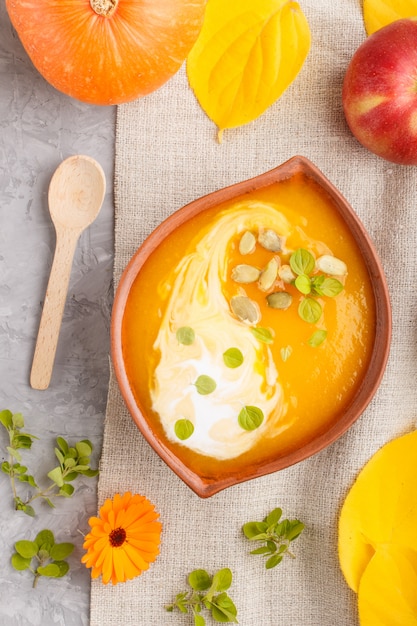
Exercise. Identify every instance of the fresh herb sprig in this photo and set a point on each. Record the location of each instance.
(276, 534)
(302, 264)
(207, 592)
(43, 557)
(73, 461)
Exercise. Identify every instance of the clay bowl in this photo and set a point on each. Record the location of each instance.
(205, 484)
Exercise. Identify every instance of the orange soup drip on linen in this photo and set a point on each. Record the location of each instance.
(251, 327)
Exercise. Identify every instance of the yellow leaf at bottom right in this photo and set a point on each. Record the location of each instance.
(380, 508)
(388, 588)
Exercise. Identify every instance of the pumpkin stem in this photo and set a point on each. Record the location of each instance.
(104, 7)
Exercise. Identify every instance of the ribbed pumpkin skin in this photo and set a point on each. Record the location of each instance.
(107, 59)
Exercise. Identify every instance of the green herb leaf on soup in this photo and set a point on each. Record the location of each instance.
(233, 357)
(262, 334)
(302, 262)
(317, 338)
(310, 310)
(205, 385)
(285, 353)
(183, 429)
(185, 335)
(250, 417)
(330, 287)
(303, 284)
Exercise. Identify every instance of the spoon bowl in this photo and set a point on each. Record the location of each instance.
(76, 193)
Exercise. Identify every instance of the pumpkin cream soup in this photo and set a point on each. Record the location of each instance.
(251, 327)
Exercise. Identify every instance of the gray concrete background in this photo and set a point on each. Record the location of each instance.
(39, 127)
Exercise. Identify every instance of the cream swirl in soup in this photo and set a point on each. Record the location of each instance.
(196, 299)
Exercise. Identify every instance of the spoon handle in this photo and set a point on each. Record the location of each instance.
(53, 308)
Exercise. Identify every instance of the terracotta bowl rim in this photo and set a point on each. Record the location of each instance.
(298, 164)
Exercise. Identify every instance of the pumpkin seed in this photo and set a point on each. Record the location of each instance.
(286, 274)
(268, 275)
(331, 265)
(279, 300)
(270, 240)
(245, 309)
(245, 274)
(247, 243)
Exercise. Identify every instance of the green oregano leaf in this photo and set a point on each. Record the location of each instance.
(250, 417)
(310, 310)
(302, 262)
(183, 429)
(273, 561)
(275, 535)
(207, 592)
(19, 562)
(26, 549)
(273, 517)
(45, 537)
(6, 418)
(62, 444)
(84, 448)
(285, 353)
(63, 567)
(262, 334)
(252, 530)
(223, 609)
(222, 579)
(330, 287)
(205, 385)
(233, 358)
(199, 580)
(303, 284)
(317, 338)
(185, 335)
(5, 467)
(60, 551)
(17, 420)
(51, 570)
(29, 510)
(56, 476)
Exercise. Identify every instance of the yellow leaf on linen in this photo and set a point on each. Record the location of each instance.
(247, 54)
(379, 13)
(380, 508)
(387, 591)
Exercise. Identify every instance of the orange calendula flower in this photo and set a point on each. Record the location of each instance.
(123, 540)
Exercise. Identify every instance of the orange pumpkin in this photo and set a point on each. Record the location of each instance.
(107, 51)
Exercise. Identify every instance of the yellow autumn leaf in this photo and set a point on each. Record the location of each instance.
(379, 13)
(387, 591)
(247, 54)
(380, 508)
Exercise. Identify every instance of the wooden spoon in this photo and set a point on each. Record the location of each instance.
(76, 193)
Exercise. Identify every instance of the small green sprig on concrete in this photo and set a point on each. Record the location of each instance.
(73, 461)
(207, 592)
(43, 557)
(276, 536)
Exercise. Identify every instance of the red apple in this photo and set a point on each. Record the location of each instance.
(380, 92)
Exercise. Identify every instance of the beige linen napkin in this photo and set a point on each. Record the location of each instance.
(166, 156)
